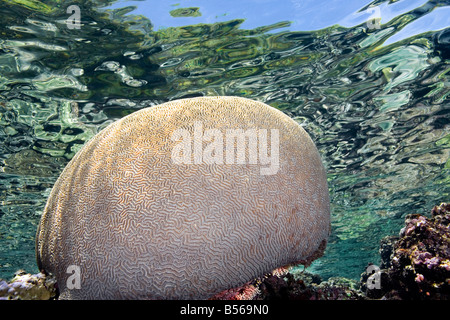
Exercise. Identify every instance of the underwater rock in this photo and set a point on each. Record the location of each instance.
(26, 286)
(376, 283)
(298, 286)
(419, 266)
(386, 250)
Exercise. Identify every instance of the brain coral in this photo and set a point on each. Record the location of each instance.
(167, 203)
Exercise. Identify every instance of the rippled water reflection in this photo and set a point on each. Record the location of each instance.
(378, 113)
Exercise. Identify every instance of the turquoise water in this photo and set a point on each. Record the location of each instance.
(369, 81)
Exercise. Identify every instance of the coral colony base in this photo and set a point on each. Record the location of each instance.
(414, 266)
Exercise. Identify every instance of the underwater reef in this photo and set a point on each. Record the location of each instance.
(415, 265)
(25, 286)
(283, 285)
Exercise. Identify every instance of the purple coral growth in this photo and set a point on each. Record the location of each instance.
(419, 266)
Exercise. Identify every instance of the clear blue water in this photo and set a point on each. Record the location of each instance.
(369, 81)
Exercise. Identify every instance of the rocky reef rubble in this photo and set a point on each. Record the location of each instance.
(298, 286)
(415, 265)
(26, 286)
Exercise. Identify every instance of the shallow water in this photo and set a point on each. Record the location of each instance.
(373, 95)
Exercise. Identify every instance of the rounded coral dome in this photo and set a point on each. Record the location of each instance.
(183, 200)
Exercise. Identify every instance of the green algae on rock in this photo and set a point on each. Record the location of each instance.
(418, 266)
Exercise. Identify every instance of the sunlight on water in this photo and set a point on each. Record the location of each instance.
(368, 81)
